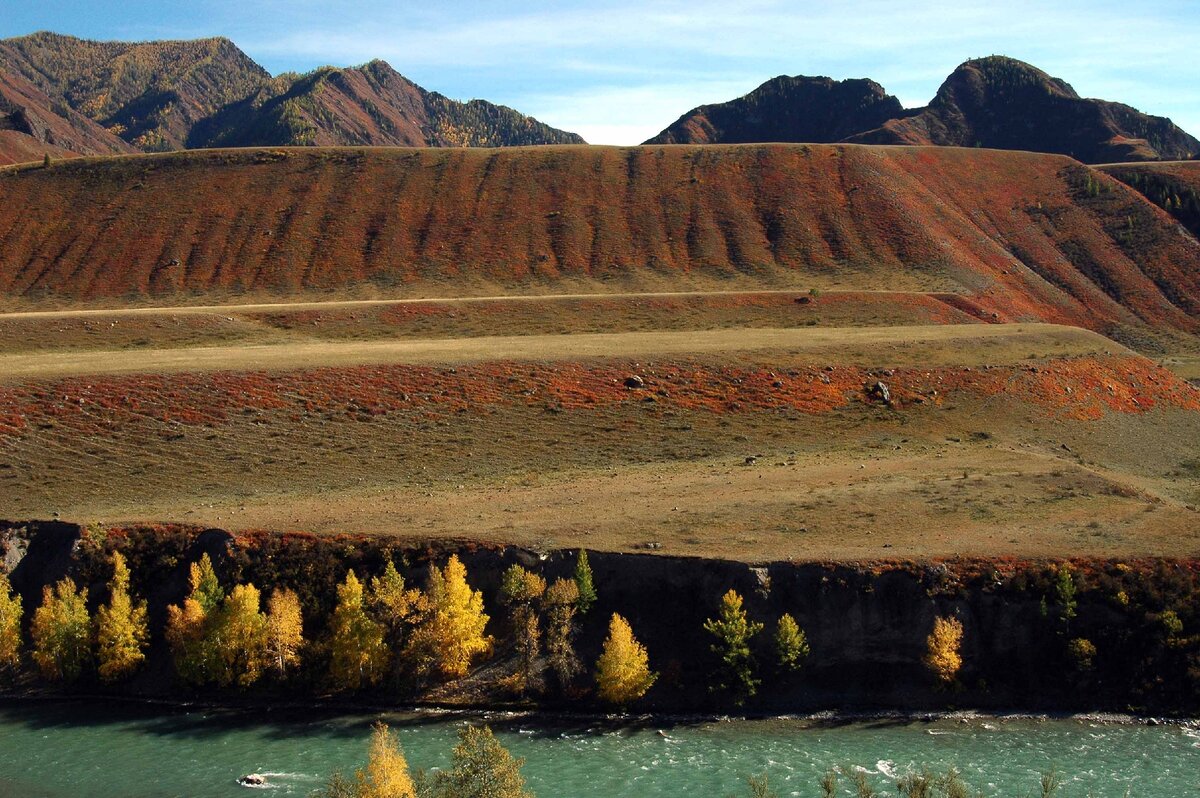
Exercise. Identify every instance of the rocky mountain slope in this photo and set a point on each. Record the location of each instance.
(62, 95)
(992, 102)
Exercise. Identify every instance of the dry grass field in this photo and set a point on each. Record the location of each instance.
(715, 409)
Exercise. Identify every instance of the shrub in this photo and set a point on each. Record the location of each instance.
(791, 644)
(942, 649)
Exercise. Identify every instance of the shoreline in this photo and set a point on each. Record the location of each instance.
(551, 717)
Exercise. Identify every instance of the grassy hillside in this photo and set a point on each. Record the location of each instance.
(1027, 237)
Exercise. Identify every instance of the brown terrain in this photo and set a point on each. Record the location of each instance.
(675, 349)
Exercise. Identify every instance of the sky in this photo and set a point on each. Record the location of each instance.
(619, 71)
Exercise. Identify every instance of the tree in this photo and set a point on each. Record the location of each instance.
(760, 787)
(1064, 591)
(238, 637)
(359, 656)
(451, 632)
(46, 161)
(121, 629)
(583, 581)
(386, 774)
(733, 631)
(482, 769)
(791, 644)
(942, 649)
(285, 630)
(561, 601)
(10, 625)
(196, 660)
(623, 671)
(62, 632)
(520, 590)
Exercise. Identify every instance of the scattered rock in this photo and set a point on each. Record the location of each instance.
(751, 459)
(879, 390)
(634, 381)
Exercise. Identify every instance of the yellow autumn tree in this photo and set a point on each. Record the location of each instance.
(187, 625)
(386, 774)
(942, 655)
(62, 632)
(121, 629)
(451, 632)
(623, 672)
(358, 655)
(285, 630)
(237, 637)
(10, 625)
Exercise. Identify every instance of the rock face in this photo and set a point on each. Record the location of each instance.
(814, 110)
(994, 102)
(62, 95)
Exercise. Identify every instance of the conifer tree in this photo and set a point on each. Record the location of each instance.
(583, 581)
(10, 625)
(61, 632)
(561, 600)
(623, 671)
(791, 644)
(733, 631)
(942, 649)
(196, 661)
(121, 629)
(285, 630)
(482, 768)
(359, 656)
(386, 774)
(451, 632)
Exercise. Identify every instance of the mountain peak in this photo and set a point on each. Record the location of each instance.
(787, 108)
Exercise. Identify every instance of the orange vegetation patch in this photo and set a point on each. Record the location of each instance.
(1080, 388)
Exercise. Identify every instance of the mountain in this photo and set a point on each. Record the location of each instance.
(60, 95)
(814, 110)
(33, 125)
(1007, 104)
(1013, 236)
(149, 94)
(371, 105)
(993, 102)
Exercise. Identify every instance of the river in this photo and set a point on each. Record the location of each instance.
(90, 750)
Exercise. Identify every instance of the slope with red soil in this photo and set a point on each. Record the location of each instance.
(1020, 234)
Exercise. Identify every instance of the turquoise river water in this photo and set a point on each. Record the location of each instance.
(86, 750)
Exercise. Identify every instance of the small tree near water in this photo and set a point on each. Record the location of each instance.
(733, 631)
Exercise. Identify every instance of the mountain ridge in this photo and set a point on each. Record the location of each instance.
(995, 102)
(81, 97)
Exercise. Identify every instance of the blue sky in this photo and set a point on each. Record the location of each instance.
(618, 71)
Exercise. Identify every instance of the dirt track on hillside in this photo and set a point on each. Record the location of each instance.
(958, 344)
